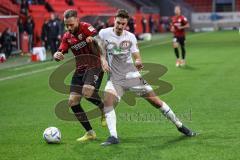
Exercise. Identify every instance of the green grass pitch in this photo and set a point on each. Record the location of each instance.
(206, 96)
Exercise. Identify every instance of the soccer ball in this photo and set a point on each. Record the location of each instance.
(52, 135)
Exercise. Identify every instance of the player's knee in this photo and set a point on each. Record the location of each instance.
(111, 99)
(175, 45)
(70, 103)
(108, 102)
(88, 91)
(74, 100)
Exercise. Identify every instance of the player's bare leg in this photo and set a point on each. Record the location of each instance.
(110, 100)
(167, 111)
(74, 103)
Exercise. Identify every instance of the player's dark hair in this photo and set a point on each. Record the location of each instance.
(70, 13)
(122, 13)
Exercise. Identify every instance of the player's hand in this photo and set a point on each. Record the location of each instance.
(89, 39)
(105, 65)
(58, 56)
(180, 27)
(139, 65)
(172, 29)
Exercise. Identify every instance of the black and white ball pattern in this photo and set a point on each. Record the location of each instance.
(52, 135)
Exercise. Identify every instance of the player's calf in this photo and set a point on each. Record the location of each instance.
(165, 109)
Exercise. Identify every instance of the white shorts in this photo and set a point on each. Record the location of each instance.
(137, 85)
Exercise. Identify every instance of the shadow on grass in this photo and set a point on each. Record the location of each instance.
(155, 142)
(188, 67)
(208, 63)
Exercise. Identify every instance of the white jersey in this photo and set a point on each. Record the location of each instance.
(119, 53)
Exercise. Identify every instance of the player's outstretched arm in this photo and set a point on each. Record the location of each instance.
(102, 49)
(184, 26)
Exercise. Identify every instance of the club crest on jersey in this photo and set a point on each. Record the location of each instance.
(125, 45)
(91, 29)
(80, 37)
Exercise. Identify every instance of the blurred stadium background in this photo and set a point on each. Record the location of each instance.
(205, 96)
(147, 16)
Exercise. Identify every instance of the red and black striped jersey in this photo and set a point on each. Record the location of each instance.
(85, 56)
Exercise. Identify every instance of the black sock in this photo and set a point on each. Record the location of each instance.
(81, 116)
(176, 52)
(183, 52)
(96, 99)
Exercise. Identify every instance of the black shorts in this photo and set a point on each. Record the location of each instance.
(91, 77)
(180, 40)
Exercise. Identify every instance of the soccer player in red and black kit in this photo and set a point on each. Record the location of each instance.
(178, 25)
(88, 74)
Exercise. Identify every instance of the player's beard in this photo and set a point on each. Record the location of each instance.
(74, 31)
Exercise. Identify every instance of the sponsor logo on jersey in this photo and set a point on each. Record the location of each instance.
(177, 24)
(125, 45)
(113, 48)
(79, 45)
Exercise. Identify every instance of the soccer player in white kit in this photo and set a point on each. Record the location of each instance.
(119, 48)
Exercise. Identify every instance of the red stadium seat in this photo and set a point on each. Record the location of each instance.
(200, 6)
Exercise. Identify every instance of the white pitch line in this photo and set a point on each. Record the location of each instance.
(168, 41)
(29, 66)
(33, 65)
(27, 73)
(154, 44)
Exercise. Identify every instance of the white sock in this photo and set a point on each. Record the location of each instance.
(166, 110)
(111, 120)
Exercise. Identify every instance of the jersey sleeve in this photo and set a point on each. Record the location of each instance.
(185, 21)
(89, 30)
(134, 47)
(64, 46)
(101, 34)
